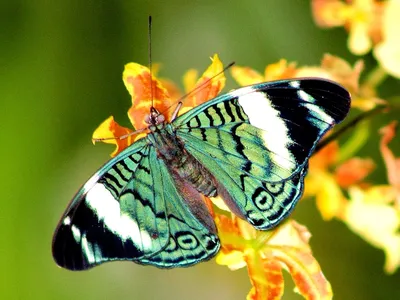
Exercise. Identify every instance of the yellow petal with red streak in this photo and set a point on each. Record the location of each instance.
(208, 86)
(145, 92)
(280, 70)
(266, 278)
(109, 132)
(293, 250)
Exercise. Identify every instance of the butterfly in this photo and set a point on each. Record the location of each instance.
(250, 146)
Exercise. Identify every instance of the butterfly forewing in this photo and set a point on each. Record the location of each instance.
(257, 140)
(97, 226)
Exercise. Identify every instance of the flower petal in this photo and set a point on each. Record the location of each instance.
(266, 278)
(392, 163)
(232, 259)
(173, 90)
(280, 70)
(246, 76)
(145, 93)
(209, 85)
(353, 171)
(359, 41)
(343, 72)
(329, 199)
(302, 266)
(388, 51)
(232, 243)
(327, 156)
(189, 80)
(328, 13)
(109, 132)
(371, 215)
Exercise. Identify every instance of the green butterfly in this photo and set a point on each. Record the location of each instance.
(250, 146)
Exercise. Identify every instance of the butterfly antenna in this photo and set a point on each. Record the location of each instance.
(179, 101)
(122, 137)
(150, 64)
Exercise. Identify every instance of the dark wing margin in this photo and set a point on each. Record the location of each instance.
(98, 226)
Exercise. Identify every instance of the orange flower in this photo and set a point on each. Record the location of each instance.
(146, 91)
(266, 253)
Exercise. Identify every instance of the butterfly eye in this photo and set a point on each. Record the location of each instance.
(154, 118)
(148, 119)
(160, 119)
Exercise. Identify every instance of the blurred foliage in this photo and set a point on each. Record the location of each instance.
(60, 76)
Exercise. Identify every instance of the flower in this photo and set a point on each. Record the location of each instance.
(328, 177)
(362, 18)
(372, 211)
(267, 253)
(392, 163)
(371, 214)
(332, 68)
(147, 91)
(387, 52)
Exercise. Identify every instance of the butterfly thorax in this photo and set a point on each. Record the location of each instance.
(181, 164)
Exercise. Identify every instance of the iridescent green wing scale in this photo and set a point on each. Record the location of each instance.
(190, 241)
(256, 141)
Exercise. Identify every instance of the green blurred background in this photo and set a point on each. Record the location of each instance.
(61, 64)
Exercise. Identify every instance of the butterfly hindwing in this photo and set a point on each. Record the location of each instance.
(131, 210)
(262, 202)
(256, 141)
(190, 241)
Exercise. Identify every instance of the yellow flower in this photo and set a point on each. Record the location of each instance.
(388, 51)
(332, 68)
(371, 215)
(362, 18)
(280, 70)
(327, 178)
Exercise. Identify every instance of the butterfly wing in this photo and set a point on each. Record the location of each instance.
(191, 239)
(131, 210)
(257, 140)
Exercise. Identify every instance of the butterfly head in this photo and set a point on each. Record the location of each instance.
(154, 118)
